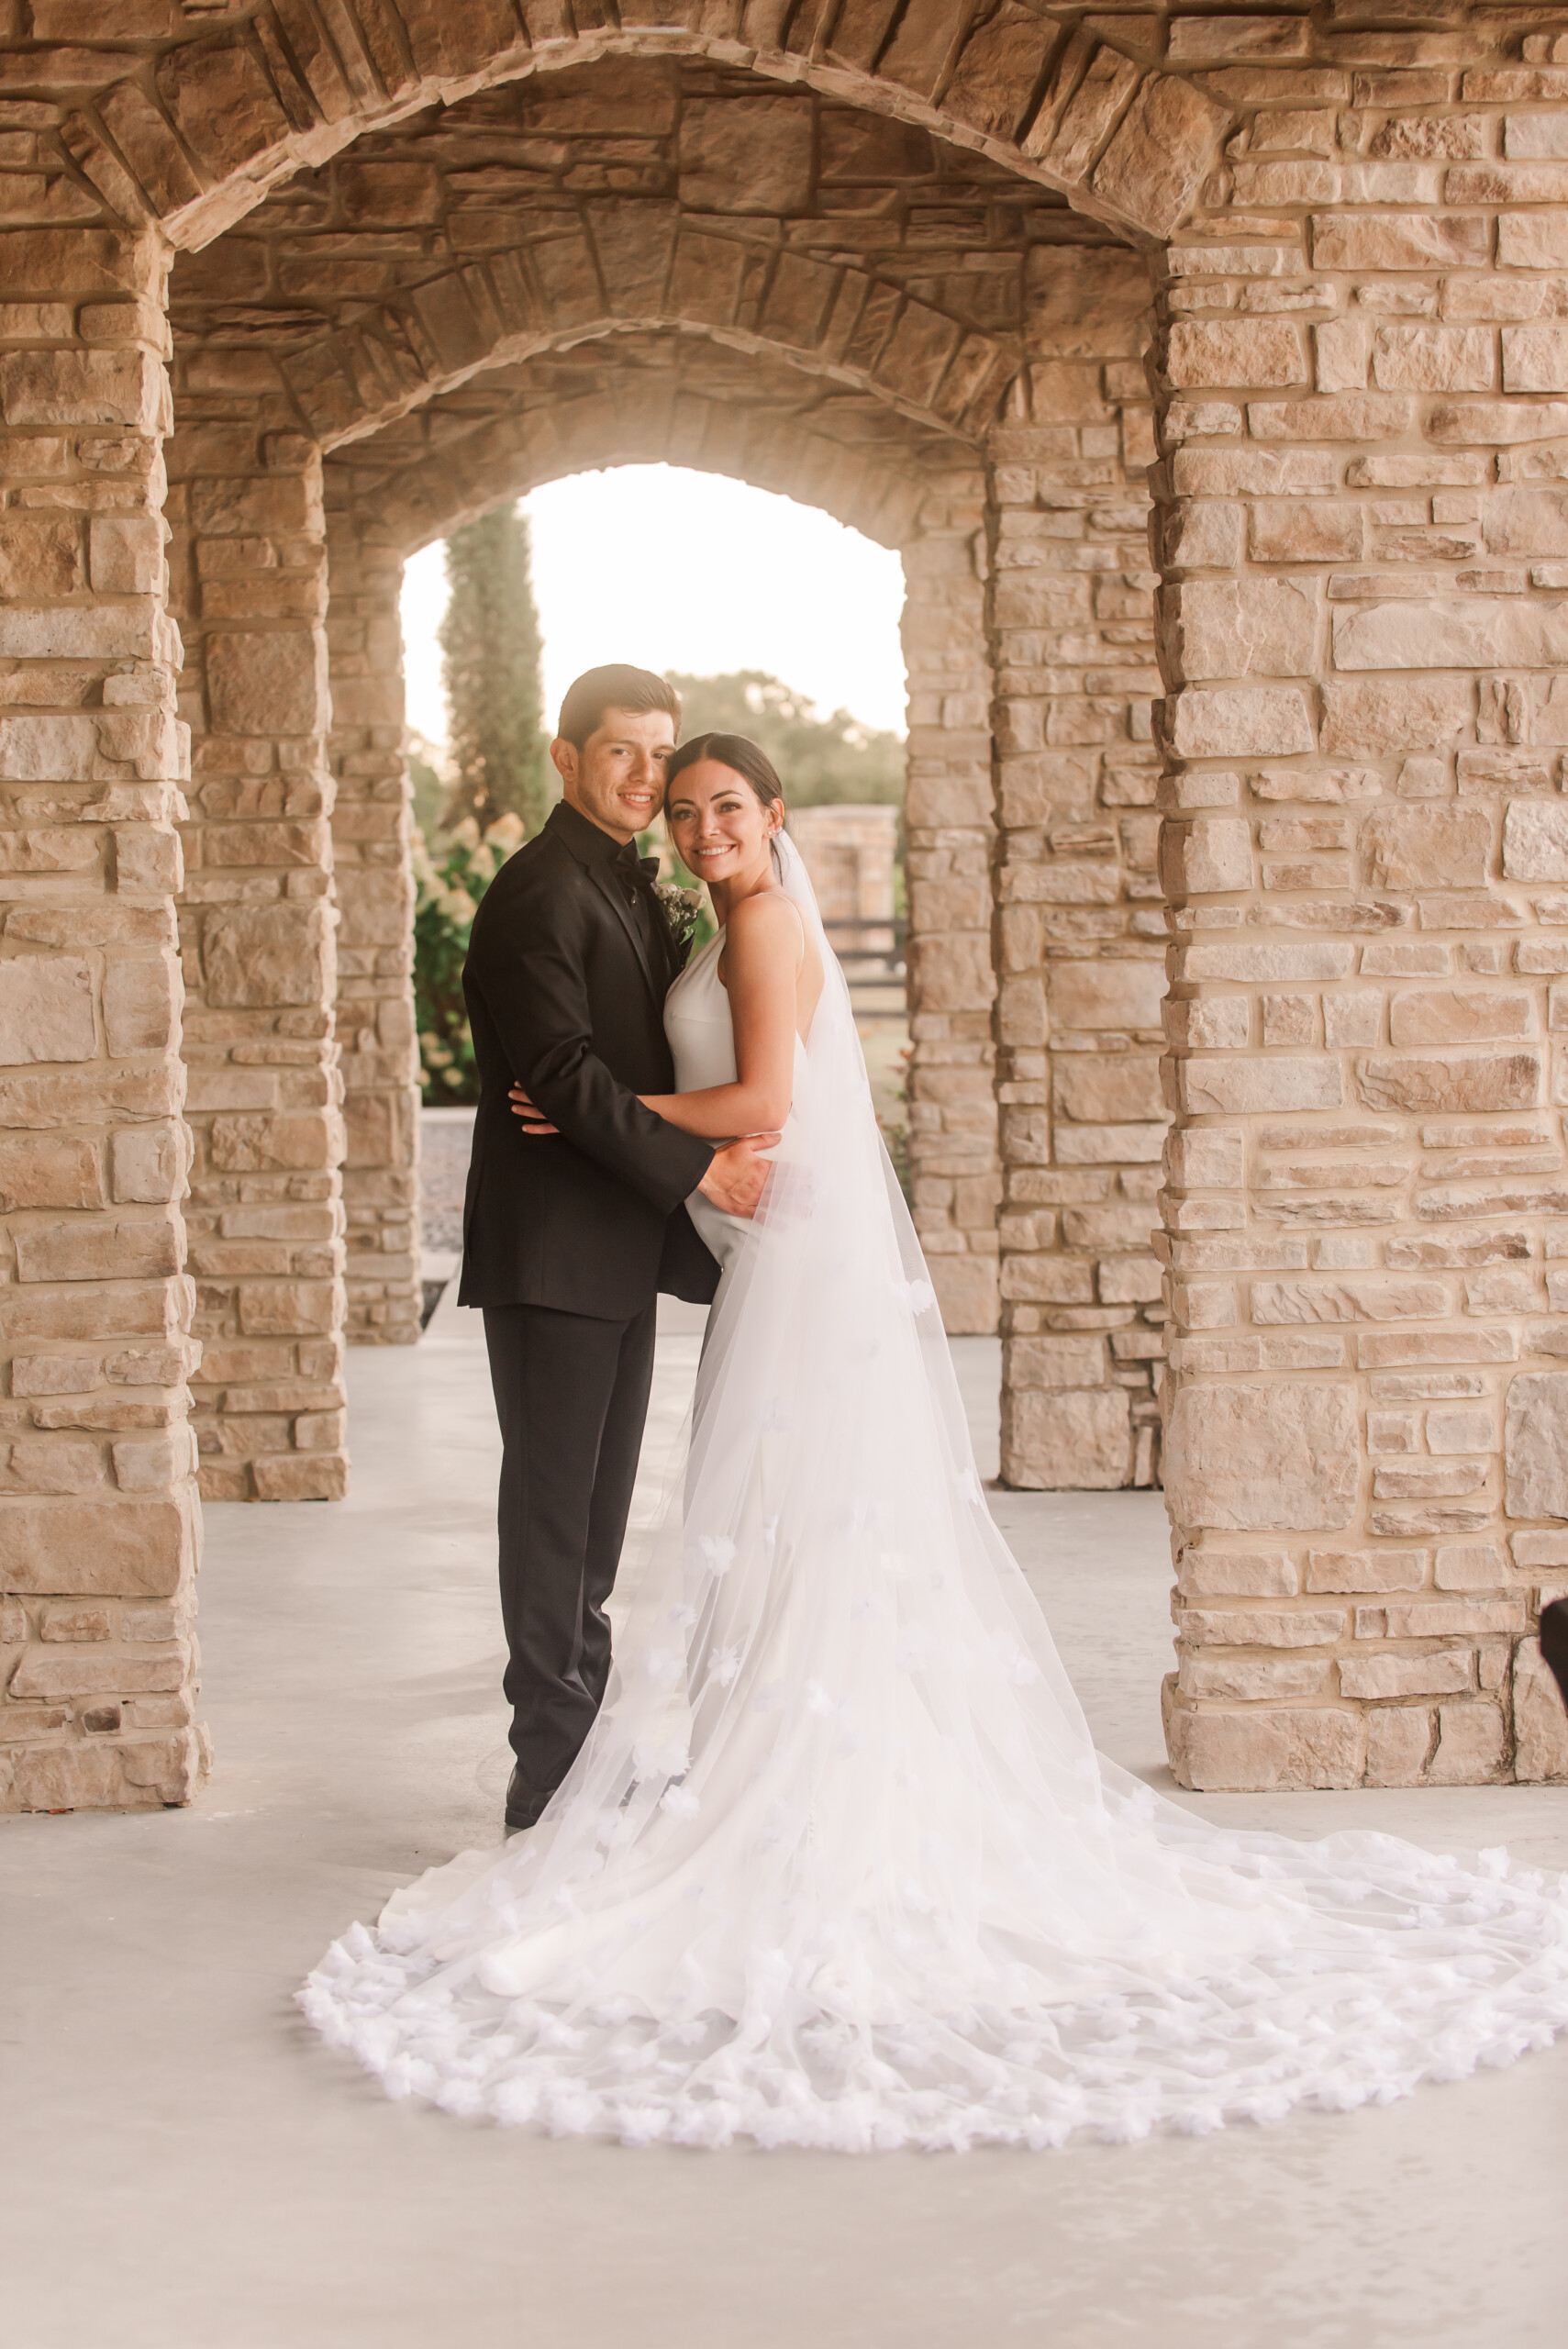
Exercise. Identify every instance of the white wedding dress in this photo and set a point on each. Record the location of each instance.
(838, 1865)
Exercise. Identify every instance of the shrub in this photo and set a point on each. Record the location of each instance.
(450, 883)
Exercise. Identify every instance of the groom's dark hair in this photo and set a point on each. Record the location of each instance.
(614, 686)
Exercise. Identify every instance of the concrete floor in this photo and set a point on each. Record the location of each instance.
(181, 2162)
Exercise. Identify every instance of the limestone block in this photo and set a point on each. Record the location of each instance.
(148, 1164)
(76, 386)
(142, 1004)
(1250, 1458)
(1399, 241)
(76, 1548)
(1226, 629)
(1229, 1086)
(1205, 855)
(259, 957)
(1422, 358)
(1214, 1160)
(1535, 841)
(1458, 1015)
(149, 860)
(1456, 1082)
(46, 1008)
(1397, 1740)
(1221, 354)
(1535, 358)
(1055, 1440)
(1364, 1570)
(1439, 1673)
(1108, 1088)
(1367, 720)
(953, 973)
(1161, 149)
(382, 195)
(1304, 529)
(101, 1250)
(746, 154)
(1259, 1627)
(276, 1143)
(1259, 721)
(267, 683)
(41, 556)
(1535, 1444)
(1462, 633)
(1525, 522)
(1121, 995)
(49, 1170)
(1540, 1724)
(1260, 1749)
(1078, 1361)
(1473, 1745)
(125, 553)
(73, 1674)
(1432, 846)
(293, 1476)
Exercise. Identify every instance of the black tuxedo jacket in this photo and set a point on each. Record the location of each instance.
(566, 997)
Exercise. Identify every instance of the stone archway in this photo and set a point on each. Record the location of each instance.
(859, 363)
(1356, 370)
(679, 400)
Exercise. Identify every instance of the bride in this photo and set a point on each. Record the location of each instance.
(838, 1865)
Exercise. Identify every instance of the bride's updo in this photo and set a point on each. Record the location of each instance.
(748, 759)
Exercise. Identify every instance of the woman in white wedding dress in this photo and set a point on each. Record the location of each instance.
(838, 1865)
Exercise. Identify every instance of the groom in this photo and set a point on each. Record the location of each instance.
(567, 1240)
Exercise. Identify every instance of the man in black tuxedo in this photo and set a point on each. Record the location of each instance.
(568, 1239)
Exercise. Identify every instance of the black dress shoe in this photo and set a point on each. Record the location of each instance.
(1554, 1642)
(524, 1808)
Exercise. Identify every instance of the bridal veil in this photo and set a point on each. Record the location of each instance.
(838, 1865)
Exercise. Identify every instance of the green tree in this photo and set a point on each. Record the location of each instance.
(490, 647)
(821, 761)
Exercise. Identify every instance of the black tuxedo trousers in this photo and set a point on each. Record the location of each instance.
(572, 1396)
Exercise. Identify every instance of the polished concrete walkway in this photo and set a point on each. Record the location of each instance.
(183, 2166)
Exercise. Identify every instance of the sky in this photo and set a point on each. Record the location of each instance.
(676, 569)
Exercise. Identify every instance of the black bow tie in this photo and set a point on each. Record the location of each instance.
(642, 871)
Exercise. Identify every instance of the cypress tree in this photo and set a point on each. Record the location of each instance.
(490, 666)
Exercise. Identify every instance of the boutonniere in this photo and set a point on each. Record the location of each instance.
(680, 909)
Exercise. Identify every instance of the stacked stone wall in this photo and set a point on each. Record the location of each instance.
(1361, 369)
(378, 1051)
(1354, 236)
(258, 934)
(1080, 917)
(954, 1177)
(99, 1528)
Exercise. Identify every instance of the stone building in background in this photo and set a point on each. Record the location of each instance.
(851, 854)
(1209, 371)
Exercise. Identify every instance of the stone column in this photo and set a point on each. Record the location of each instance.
(371, 827)
(953, 1116)
(98, 1517)
(1080, 926)
(257, 930)
(1362, 536)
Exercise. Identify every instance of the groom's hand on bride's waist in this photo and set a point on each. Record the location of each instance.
(737, 1176)
(534, 1120)
(735, 1180)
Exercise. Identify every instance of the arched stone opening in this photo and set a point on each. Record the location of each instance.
(505, 325)
(647, 398)
(1356, 371)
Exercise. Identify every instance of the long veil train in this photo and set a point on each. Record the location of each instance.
(838, 1865)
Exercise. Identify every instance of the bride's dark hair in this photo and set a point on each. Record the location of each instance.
(748, 759)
